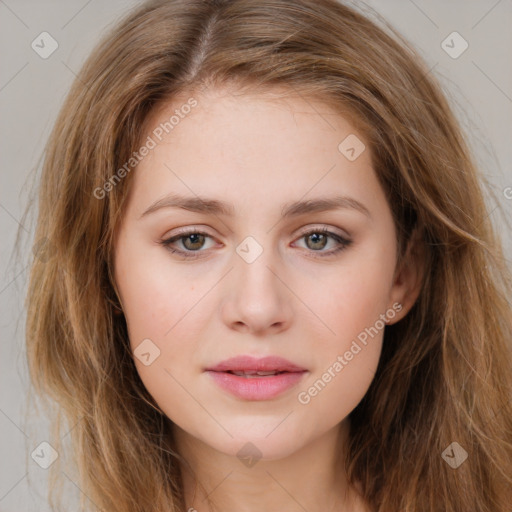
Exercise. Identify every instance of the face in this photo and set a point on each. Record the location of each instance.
(258, 270)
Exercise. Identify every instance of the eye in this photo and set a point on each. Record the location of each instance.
(193, 241)
(318, 238)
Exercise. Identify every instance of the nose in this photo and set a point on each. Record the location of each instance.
(257, 298)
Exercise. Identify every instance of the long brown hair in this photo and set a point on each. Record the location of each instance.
(445, 370)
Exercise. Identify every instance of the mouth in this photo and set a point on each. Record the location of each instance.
(249, 365)
(252, 374)
(249, 378)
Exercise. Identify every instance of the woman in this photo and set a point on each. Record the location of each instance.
(273, 279)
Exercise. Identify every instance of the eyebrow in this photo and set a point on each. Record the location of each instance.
(215, 207)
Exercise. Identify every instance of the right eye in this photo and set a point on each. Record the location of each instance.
(191, 240)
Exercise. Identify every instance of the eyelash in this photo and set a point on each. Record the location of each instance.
(343, 243)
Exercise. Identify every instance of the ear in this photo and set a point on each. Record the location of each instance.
(408, 278)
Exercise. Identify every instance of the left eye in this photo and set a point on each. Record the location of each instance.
(319, 239)
(193, 241)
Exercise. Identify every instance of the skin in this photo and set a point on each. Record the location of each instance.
(258, 152)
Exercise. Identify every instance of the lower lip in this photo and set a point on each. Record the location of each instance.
(256, 388)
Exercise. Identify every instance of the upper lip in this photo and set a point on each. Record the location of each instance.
(249, 363)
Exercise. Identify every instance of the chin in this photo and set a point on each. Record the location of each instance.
(258, 442)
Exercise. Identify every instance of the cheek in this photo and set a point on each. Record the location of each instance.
(160, 305)
(156, 295)
(336, 390)
(353, 298)
(346, 358)
(346, 361)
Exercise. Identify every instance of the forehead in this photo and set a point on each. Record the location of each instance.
(270, 145)
(278, 103)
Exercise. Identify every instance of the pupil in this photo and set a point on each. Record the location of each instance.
(193, 238)
(316, 236)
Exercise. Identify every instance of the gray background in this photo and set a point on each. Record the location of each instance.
(478, 83)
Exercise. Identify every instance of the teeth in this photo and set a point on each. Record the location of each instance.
(252, 374)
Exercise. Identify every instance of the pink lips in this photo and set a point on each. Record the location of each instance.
(254, 386)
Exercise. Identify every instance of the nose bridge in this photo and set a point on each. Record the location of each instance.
(255, 267)
(257, 295)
